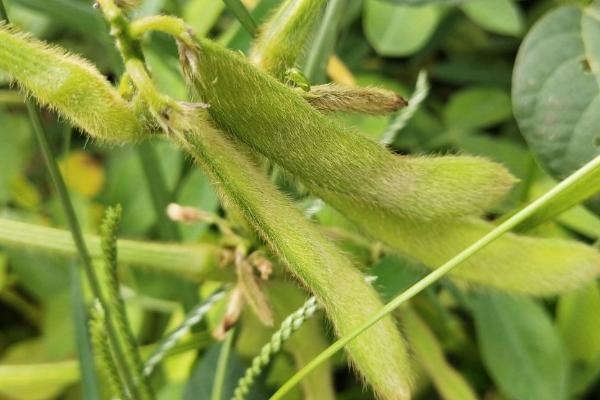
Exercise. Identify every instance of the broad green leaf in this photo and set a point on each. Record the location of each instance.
(578, 320)
(87, 369)
(397, 30)
(450, 384)
(498, 16)
(477, 107)
(394, 275)
(521, 348)
(556, 93)
(473, 69)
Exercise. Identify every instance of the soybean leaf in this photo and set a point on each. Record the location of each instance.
(521, 349)
(394, 275)
(397, 30)
(498, 16)
(556, 92)
(477, 107)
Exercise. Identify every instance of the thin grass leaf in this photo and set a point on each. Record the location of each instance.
(439, 273)
(89, 380)
(414, 103)
(242, 14)
(324, 41)
(587, 187)
(222, 364)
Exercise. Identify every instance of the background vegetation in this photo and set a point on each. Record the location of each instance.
(455, 60)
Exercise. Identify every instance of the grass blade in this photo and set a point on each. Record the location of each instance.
(220, 373)
(324, 41)
(243, 15)
(89, 378)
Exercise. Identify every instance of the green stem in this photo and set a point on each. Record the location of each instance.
(434, 276)
(220, 373)
(198, 261)
(243, 15)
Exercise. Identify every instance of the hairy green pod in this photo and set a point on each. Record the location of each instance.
(513, 263)
(283, 37)
(365, 100)
(379, 354)
(277, 122)
(71, 86)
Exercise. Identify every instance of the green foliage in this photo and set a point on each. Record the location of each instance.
(500, 16)
(520, 347)
(275, 148)
(399, 30)
(555, 92)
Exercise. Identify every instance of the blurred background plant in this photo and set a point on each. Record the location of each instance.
(453, 59)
